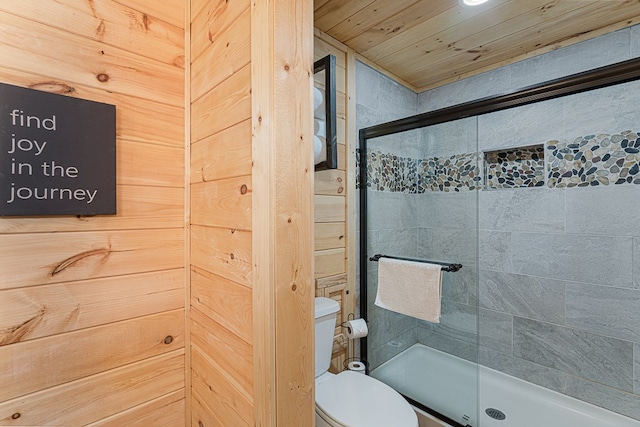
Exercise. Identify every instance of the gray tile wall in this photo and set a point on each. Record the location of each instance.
(551, 284)
(392, 219)
(559, 269)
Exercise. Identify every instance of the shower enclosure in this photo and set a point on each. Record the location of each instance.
(536, 194)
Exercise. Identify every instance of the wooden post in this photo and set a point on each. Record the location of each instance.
(282, 207)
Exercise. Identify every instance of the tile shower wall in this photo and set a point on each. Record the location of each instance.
(393, 226)
(559, 264)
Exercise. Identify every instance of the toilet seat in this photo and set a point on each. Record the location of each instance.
(357, 400)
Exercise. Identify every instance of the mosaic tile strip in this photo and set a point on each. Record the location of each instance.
(388, 172)
(514, 168)
(591, 160)
(594, 160)
(456, 173)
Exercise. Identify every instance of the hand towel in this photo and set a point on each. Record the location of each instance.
(410, 288)
(319, 150)
(318, 104)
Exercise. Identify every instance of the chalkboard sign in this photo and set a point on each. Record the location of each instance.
(57, 154)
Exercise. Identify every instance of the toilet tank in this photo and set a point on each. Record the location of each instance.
(325, 315)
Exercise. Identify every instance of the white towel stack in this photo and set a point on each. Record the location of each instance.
(319, 127)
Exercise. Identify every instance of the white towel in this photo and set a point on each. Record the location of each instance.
(320, 128)
(410, 288)
(319, 149)
(318, 104)
(318, 97)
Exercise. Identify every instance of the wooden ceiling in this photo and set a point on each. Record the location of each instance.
(427, 43)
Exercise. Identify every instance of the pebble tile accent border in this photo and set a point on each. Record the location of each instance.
(514, 168)
(388, 172)
(594, 160)
(591, 160)
(456, 173)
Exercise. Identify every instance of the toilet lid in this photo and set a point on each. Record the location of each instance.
(354, 399)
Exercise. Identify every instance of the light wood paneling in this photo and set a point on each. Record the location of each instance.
(282, 59)
(429, 43)
(226, 302)
(171, 11)
(96, 397)
(233, 44)
(90, 300)
(138, 119)
(35, 259)
(111, 23)
(225, 252)
(221, 188)
(65, 56)
(201, 414)
(150, 165)
(222, 203)
(224, 106)
(329, 235)
(216, 16)
(263, 217)
(233, 355)
(330, 208)
(165, 411)
(86, 352)
(223, 155)
(324, 282)
(138, 208)
(330, 262)
(223, 401)
(334, 229)
(330, 182)
(40, 311)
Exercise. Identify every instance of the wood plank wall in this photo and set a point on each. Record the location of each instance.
(100, 342)
(221, 192)
(282, 79)
(251, 204)
(335, 202)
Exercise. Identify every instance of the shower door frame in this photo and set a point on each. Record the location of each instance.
(617, 73)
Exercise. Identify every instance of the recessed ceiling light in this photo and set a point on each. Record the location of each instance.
(471, 2)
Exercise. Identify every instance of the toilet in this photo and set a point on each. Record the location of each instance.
(350, 398)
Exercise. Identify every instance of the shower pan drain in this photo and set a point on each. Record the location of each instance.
(496, 414)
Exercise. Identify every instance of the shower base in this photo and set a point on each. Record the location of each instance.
(450, 386)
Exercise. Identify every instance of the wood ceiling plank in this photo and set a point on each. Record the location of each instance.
(333, 12)
(317, 4)
(374, 14)
(472, 40)
(424, 42)
(377, 32)
(592, 17)
(428, 28)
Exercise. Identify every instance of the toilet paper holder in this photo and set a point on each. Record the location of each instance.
(355, 328)
(351, 316)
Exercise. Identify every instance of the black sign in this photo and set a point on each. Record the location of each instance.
(57, 154)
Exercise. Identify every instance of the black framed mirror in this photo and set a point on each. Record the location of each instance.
(325, 141)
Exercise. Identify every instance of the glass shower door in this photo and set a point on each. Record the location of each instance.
(421, 203)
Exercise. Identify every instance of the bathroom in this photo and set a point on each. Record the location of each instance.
(547, 292)
(183, 308)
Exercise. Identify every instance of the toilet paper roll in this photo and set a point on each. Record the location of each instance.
(357, 367)
(356, 329)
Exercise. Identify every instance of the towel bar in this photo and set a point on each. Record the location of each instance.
(445, 266)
